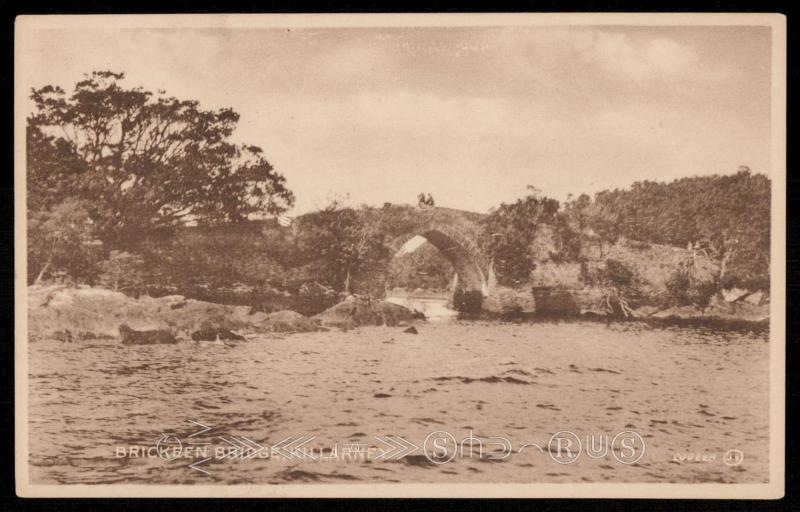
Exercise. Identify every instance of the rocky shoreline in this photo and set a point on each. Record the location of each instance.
(725, 308)
(79, 313)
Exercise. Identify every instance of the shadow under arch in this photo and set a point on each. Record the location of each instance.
(471, 287)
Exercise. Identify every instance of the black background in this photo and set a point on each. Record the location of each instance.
(8, 498)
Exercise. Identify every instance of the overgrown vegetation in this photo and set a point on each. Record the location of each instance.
(134, 162)
(145, 193)
(725, 217)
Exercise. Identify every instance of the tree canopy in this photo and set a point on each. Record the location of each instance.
(144, 161)
(340, 242)
(726, 216)
(509, 232)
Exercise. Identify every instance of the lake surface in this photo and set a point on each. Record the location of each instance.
(693, 395)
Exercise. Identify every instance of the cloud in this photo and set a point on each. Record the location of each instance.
(471, 115)
(637, 60)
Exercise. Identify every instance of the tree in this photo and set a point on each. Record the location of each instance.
(343, 243)
(509, 232)
(61, 239)
(426, 268)
(726, 217)
(145, 161)
(122, 270)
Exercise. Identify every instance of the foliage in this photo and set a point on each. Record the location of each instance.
(509, 232)
(145, 161)
(686, 287)
(424, 268)
(727, 216)
(341, 243)
(618, 274)
(121, 271)
(61, 241)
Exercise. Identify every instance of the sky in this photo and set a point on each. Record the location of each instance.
(471, 115)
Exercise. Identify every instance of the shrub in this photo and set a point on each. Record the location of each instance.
(618, 274)
(686, 289)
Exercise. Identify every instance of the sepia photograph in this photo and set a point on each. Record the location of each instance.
(439, 255)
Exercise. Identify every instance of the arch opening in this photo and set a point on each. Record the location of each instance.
(470, 287)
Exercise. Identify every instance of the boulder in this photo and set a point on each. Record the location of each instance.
(508, 301)
(56, 309)
(733, 294)
(551, 301)
(289, 321)
(357, 311)
(314, 297)
(755, 299)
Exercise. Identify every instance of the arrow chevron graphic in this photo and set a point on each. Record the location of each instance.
(254, 447)
(205, 429)
(289, 448)
(195, 465)
(397, 448)
(244, 448)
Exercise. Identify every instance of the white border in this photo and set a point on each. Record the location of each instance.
(26, 27)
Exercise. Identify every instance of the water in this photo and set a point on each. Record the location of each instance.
(686, 391)
(435, 309)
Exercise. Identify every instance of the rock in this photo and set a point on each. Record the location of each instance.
(289, 321)
(68, 336)
(64, 336)
(550, 301)
(548, 274)
(216, 334)
(151, 337)
(411, 330)
(590, 300)
(756, 299)
(645, 311)
(358, 311)
(313, 297)
(508, 301)
(54, 308)
(733, 294)
(718, 305)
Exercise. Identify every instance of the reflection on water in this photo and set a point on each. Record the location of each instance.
(690, 393)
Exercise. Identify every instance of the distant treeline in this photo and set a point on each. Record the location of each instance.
(726, 217)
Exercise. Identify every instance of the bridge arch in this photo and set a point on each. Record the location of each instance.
(471, 283)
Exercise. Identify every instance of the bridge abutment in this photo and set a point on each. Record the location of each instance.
(468, 301)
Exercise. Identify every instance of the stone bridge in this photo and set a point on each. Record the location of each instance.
(455, 234)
